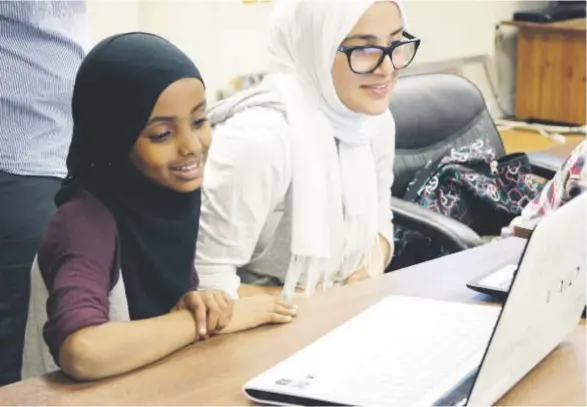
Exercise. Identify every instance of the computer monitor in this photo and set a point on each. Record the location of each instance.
(567, 3)
(555, 10)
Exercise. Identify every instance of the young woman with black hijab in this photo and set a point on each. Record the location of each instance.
(114, 286)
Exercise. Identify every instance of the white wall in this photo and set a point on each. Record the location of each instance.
(226, 37)
(108, 17)
(456, 29)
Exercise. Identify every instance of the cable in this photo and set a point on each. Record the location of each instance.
(555, 133)
(485, 63)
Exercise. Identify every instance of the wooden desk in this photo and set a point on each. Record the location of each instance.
(564, 150)
(525, 230)
(213, 372)
(550, 83)
(526, 141)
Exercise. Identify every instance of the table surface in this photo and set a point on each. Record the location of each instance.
(564, 150)
(213, 372)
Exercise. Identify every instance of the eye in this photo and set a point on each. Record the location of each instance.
(158, 138)
(368, 51)
(198, 123)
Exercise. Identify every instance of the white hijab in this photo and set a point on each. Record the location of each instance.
(334, 190)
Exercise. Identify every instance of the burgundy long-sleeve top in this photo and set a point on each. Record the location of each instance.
(79, 264)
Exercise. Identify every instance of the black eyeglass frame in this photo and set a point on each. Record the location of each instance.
(387, 51)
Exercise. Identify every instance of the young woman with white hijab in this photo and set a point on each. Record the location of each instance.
(297, 184)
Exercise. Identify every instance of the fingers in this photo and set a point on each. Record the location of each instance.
(357, 276)
(276, 318)
(225, 303)
(285, 310)
(352, 279)
(222, 323)
(226, 307)
(212, 311)
(219, 310)
(213, 316)
(282, 303)
(230, 304)
(198, 308)
(282, 312)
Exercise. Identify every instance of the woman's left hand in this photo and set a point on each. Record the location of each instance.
(379, 252)
(357, 276)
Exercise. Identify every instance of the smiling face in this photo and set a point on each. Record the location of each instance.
(171, 150)
(380, 25)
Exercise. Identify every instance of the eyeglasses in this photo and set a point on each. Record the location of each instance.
(365, 59)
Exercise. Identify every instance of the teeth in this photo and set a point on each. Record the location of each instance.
(188, 168)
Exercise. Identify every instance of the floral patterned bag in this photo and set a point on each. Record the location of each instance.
(470, 185)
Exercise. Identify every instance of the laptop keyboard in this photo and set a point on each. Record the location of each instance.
(401, 351)
(501, 279)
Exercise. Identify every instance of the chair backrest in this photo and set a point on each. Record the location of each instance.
(434, 112)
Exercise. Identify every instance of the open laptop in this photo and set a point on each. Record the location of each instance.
(497, 282)
(415, 351)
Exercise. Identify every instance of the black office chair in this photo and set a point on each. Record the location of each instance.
(433, 112)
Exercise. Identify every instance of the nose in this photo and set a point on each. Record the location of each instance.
(189, 143)
(386, 67)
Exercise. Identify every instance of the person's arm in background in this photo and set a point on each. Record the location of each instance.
(245, 178)
(77, 260)
(568, 182)
(384, 152)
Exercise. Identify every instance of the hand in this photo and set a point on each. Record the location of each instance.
(212, 310)
(250, 312)
(379, 252)
(357, 276)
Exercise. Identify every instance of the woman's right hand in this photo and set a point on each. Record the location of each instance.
(212, 311)
(251, 312)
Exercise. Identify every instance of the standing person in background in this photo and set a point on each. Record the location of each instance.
(42, 44)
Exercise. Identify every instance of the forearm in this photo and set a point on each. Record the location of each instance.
(250, 290)
(118, 347)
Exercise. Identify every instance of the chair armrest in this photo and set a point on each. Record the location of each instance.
(450, 233)
(545, 165)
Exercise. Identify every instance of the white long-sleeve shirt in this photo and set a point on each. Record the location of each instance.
(246, 215)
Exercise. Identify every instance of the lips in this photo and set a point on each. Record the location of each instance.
(378, 90)
(378, 86)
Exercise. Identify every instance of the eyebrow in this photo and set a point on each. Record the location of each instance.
(166, 119)
(370, 37)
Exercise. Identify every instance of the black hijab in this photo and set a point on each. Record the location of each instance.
(115, 91)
